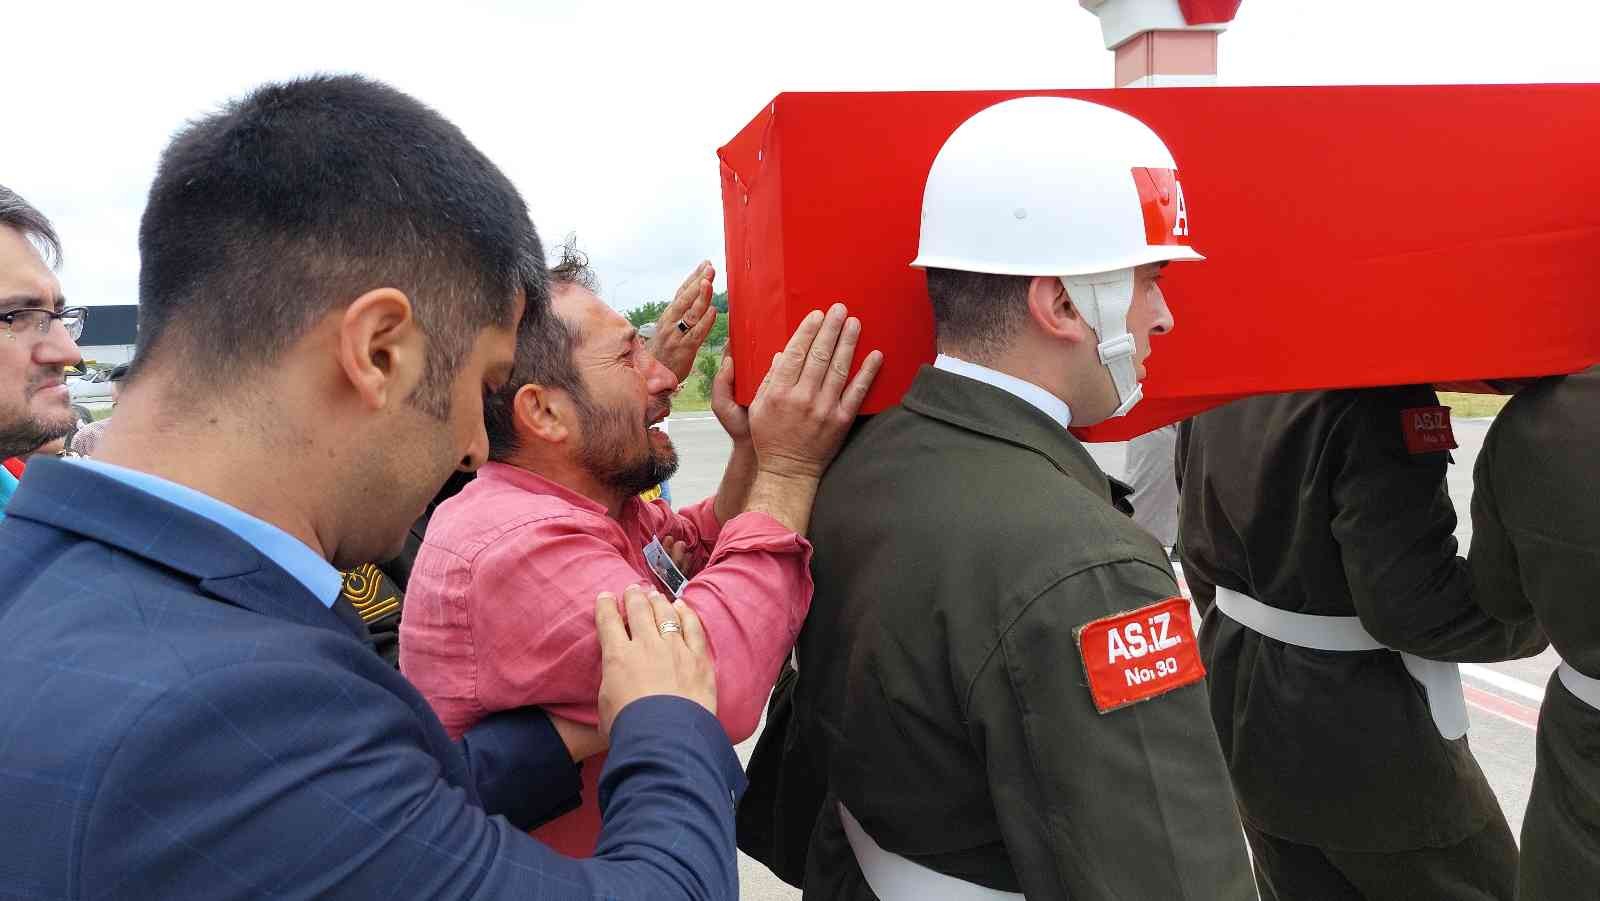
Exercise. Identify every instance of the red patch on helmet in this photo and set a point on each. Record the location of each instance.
(1166, 216)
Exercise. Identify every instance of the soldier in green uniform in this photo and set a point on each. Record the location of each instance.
(1317, 536)
(999, 689)
(1536, 551)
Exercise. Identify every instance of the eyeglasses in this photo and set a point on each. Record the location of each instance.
(17, 322)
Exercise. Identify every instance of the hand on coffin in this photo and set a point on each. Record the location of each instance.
(735, 419)
(807, 402)
(673, 346)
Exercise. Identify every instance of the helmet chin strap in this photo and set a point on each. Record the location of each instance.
(1104, 299)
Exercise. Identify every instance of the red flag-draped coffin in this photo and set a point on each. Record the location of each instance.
(1355, 235)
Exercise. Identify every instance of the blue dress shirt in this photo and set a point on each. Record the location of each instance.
(308, 568)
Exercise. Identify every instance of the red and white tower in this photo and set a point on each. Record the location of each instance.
(1163, 43)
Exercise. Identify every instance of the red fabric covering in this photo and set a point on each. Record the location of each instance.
(1207, 12)
(13, 466)
(1355, 235)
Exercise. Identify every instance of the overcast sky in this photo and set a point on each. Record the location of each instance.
(607, 115)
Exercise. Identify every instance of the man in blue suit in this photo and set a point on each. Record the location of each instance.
(187, 713)
(34, 351)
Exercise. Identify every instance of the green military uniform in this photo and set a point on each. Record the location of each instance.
(1536, 549)
(960, 539)
(377, 600)
(1314, 503)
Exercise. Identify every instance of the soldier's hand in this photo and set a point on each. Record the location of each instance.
(807, 401)
(638, 659)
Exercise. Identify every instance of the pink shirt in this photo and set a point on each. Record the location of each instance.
(499, 610)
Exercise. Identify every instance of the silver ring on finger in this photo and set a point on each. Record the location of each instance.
(669, 627)
(684, 326)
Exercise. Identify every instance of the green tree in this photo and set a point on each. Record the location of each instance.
(718, 336)
(647, 313)
(715, 339)
(706, 364)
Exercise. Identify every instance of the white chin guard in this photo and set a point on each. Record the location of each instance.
(1104, 299)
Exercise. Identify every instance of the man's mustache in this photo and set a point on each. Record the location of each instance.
(659, 404)
(42, 379)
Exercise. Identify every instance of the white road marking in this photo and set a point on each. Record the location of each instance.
(1511, 711)
(1503, 682)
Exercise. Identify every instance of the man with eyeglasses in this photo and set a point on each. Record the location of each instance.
(35, 407)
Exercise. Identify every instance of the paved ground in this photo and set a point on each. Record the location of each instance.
(1503, 699)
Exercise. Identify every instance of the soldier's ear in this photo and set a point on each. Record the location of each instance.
(541, 414)
(1052, 311)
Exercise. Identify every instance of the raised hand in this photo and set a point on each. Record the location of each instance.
(674, 347)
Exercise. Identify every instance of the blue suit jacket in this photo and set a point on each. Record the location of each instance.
(180, 718)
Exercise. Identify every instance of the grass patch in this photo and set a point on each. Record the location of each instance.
(689, 400)
(1473, 406)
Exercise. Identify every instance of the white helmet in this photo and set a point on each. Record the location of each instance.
(1063, 187)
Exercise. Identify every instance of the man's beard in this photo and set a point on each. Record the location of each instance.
(28, 432)
(611, 454)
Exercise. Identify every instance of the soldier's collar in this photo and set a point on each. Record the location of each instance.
(989, 410)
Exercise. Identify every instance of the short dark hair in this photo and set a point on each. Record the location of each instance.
(21, 215)
(544, 355)
(977, 312)
(118, 373)
(299, 197)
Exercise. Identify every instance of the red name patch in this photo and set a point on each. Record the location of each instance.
(1134, 656)
(1427, 430)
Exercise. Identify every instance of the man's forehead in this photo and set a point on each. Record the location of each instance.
(23, 272)
(592, 318)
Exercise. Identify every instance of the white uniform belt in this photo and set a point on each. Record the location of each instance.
(1441, 682)
(1586, 688)
(894, 878)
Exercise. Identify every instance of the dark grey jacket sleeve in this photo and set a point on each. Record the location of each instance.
(1395, 526)
(1134, 803)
